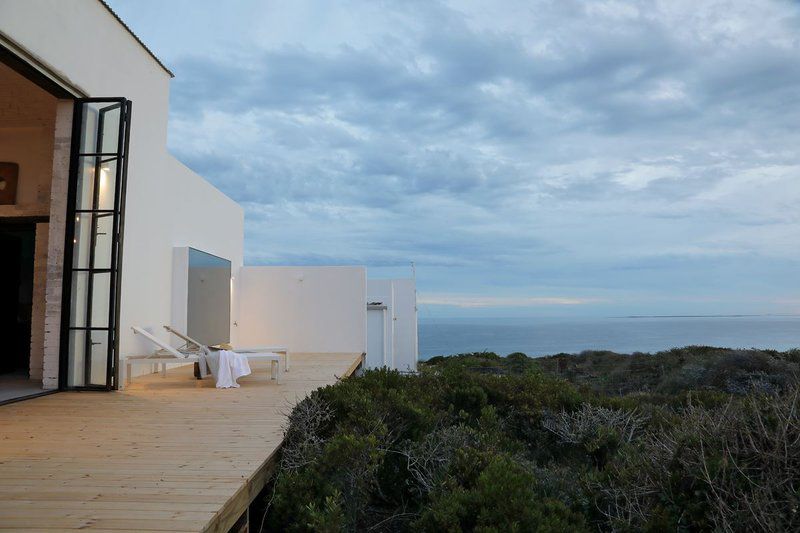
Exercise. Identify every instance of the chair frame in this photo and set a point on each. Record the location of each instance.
(262, 349)
(175, 356)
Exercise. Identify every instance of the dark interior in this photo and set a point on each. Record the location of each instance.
(16, 296)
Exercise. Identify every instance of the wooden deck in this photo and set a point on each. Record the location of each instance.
(166, 454)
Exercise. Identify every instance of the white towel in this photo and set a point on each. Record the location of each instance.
(232, 366)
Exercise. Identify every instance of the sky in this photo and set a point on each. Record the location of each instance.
(532, 158)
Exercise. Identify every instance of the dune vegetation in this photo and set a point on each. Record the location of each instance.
(696, 438)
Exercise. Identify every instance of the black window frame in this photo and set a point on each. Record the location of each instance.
(114, 270)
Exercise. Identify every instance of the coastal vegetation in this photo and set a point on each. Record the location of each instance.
(691, 439)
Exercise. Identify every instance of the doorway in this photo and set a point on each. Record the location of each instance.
(17, 240)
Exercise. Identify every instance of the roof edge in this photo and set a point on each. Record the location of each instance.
(130, 31)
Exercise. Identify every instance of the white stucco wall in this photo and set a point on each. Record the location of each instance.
(167, 204)
(380, 336)
(400, 330)
(308, 309)
(405, 325)
(176, 211)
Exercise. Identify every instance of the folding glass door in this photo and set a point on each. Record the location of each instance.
(93, 245)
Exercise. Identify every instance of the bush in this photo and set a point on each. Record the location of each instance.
(696, 438)
(678, 370)
(502, 498)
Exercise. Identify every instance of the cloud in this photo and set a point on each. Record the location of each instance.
(645, 146)
(468, 301)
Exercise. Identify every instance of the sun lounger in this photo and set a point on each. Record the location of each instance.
(196, 345)
(166, 354)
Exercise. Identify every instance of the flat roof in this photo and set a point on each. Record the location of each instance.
(150, 52)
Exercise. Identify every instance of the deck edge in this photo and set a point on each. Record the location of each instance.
(238, 504)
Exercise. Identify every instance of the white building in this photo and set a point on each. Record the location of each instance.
(102, 229)
(392, 324)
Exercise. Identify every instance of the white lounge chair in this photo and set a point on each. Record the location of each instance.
(194, 345)
(166, 354)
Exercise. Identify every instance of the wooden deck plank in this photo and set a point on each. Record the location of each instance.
(166, 454)
(70, 505)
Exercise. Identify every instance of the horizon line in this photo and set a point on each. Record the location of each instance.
(733, 315)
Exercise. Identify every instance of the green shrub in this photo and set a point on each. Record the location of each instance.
(502, 498)
(696, 438)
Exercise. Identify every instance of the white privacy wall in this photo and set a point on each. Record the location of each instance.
(405, 325)
(307, 309)
(399, 331)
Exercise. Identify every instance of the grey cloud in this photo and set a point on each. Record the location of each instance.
(562, 143)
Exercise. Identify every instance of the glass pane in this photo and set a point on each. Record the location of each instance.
(100, 127)
(209, 299)
(104, 227)
(108, 182)
(82, 240)
(99, 358)
(77, 356)
(102, 171)
(89, 118)
(80, 292)
(109, 143)
(85, 188)
(101, 294)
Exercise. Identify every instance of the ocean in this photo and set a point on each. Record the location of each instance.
(545, 336)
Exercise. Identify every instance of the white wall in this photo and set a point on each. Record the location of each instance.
(308, 309)
(380, 291)
(82, 42)
(180, 210)
(400, 330)
(378, 336)
(405, 325)
(167, 204)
